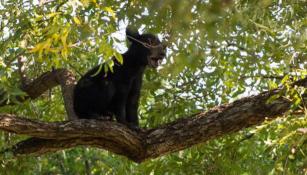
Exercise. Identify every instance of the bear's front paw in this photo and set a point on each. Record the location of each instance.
(134, 127)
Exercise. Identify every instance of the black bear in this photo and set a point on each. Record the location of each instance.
(117, 93)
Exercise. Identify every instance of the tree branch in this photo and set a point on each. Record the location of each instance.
(150, 143)
(47, 81)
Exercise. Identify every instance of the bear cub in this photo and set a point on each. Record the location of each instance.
(117, 93)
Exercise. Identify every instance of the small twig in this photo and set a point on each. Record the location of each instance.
(262, 76)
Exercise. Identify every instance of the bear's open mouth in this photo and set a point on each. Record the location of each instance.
(154, 62)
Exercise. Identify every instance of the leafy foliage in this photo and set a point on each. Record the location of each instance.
(218, 51)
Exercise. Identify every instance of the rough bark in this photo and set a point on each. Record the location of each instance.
(67, 80)
(149, 143)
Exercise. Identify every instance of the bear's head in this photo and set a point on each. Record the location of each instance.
(150, 51)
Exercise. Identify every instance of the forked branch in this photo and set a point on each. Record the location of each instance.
(147, 144)
(47, 81)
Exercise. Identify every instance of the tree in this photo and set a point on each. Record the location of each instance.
(218, 52)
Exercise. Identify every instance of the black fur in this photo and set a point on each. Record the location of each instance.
(118, 93)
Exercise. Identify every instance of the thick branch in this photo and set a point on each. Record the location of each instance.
(60, 135)
(151, 143)
(48, 81)
(41, 146)
(67, 81)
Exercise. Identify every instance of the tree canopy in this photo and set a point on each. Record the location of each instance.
(218, 52)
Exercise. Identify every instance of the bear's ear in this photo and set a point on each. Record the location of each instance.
(132, 34)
